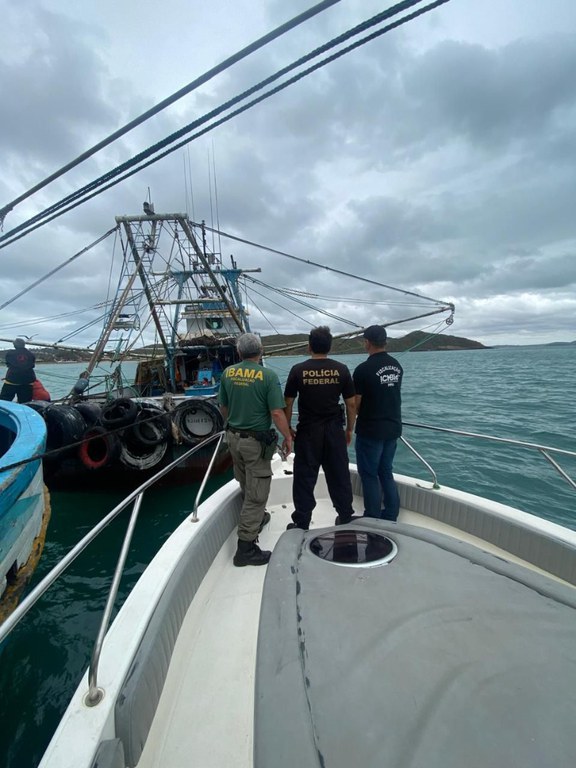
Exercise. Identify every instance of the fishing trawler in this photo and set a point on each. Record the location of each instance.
(177, 312)
(173, 289)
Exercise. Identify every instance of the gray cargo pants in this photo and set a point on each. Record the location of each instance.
(254, 475)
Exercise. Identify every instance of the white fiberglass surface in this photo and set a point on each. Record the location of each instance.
(205, 715)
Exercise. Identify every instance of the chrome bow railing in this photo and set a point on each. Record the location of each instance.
(136, 496)
(545, 450)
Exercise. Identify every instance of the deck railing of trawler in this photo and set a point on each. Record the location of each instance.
(94, 694)
(545, 450)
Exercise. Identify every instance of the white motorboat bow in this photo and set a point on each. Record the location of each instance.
(445, 639)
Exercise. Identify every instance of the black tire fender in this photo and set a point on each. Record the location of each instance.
(65, 426)
(39, 406)
(119, 413)
(90, 411)
(196, 419)
(99, 449)
(152, 426)
(134, 455)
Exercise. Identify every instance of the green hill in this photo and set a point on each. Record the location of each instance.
(417, 341)
(294, 344)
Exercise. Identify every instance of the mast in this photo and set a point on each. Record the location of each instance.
(143, 277)
(190, 235)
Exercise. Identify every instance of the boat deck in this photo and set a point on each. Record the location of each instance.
(222, 625)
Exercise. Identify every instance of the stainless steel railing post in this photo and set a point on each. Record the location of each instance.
(543, 449)
(194, 518)
(95, 694)
(423, 460)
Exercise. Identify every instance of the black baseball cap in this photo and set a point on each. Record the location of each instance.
(376, 334)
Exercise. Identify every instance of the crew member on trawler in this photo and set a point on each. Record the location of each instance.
(20, 374)
(321, 440)
(250, 399)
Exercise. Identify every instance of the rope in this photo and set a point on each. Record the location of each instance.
(100, 185)
(333, 269)
(433, 335)
(58, 268)
(298, 301)
(226, 64)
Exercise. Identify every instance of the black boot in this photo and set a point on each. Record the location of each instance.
(249, 553)
(265, 521)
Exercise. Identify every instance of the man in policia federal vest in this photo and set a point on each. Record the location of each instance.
(250, 399)
(321, 440)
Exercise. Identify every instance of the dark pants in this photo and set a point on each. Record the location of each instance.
(321, 445)
(374, 460)
(23, 391)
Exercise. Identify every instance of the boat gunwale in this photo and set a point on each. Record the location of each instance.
(128, 630)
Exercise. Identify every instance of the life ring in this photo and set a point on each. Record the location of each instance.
(152, 426)
(197, 419)
(119, 413)
(135, 455)
(99, 449)
(64, 426)
(90, 411)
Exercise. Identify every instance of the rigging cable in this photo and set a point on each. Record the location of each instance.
(58, 268)
(266, 319)
(300, 301)
(355, 300)
(100, 185)
(39, 320)
(290, 312)
(447, 305)
(226, 64)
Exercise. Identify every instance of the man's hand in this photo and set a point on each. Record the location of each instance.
(349, 436)
(286, 448)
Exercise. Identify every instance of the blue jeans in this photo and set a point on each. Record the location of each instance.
(374, 460)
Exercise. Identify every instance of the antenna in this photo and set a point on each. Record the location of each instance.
(188, 184)
(211, 200)
(216, 198)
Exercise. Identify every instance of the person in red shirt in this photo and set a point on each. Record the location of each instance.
(39, 391)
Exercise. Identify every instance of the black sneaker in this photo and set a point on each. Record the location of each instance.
(346, 520)
(291, 526)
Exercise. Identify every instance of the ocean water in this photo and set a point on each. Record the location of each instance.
(523, 393)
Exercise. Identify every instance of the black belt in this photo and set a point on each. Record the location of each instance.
(246, 433)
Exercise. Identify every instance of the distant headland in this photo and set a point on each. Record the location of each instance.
(417, 341)
(295, 344)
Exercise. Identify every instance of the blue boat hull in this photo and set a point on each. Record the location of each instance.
(22, 499)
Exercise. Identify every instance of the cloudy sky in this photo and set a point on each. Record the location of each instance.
(438, 158)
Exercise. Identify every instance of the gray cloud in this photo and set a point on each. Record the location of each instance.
(437, 158)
